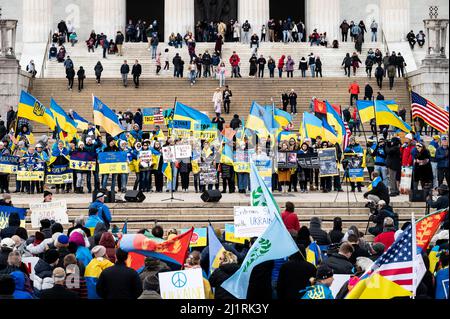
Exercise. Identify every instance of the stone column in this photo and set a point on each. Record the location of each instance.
(109, 16)
(257, 12)
(324, 15)
(178, 17)
(37, 20)
(395, 19)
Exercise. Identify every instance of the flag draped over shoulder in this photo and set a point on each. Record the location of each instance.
(106, 118)
(30, 108)
(274, 243)
(384, 116)
(215, 250)
(173, 250)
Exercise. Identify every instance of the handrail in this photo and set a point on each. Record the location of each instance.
(44, 61)
(384, 41)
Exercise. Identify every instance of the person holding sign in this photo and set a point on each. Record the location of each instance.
(325, 182)
(112, 147)
(145, 166)
(60, 157)
(284, 174)
(30, 159)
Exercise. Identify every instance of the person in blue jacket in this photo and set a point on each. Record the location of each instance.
(442, 161)
(442, 277)
(20, 292)
(379, 152)
(103, 210)
(320, 288)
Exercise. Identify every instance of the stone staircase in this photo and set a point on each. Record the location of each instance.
(331, 58)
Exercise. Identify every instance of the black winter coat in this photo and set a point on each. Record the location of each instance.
(124, 69)
(13, 224)
(137, 70)
(393, 158)
(318, 234)
(119, 282)
(294, 276)
(58, 292)
(340, 264)
(260, 283)
(219, 276)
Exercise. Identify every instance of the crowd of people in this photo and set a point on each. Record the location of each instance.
(85, 262)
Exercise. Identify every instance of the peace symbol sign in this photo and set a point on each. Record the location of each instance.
(179, 280)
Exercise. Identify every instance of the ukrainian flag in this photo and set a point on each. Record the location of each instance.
(384, 116)
(106, 118)
(312, 126)
(391, 104)
(335, 119)
(227, 154)
(256, 121)
(167, 171)
(329, 134)
(366, 110)
(64, 120)
(185, 113)
(30, 108)
(282, 118)
(215, 250)
(82, 124)
(313, 254)
(377, 287)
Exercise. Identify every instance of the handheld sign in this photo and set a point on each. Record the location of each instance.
(56, 211)
(198, 238)
(169, 154)
(183, 284)
(250, 221)
(183, 151)
(230, 236)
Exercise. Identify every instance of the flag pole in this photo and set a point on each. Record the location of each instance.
(375, 118)
(414, 254)
(359, 115)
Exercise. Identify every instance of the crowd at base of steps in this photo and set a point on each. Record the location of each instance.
(83, 261)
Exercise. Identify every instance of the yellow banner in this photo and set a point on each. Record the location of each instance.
(8, 169)
(58, 179)
(113, 168)
(30, 176)
(242, 167)
(205, 135)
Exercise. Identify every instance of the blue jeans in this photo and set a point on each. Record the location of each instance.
(124, 182)
(374, 37)
(312, 67)
(172, 185)
(383, 172)
(243, 181)
(285, 36)
(105, 178)
(192, 76)
(154, 51)
(144, 180)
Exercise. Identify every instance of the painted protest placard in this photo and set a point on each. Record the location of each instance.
(56, 211)
(59, 174)
(145, 158)
(308, 161)
(183, 284)
(198, 238)
(230, 235)
(250, 221)
(327, 162)
(113, 163)
(183, 151)
(168, 154)
(9, 164)
(153, 115)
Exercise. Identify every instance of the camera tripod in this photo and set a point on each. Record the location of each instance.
(346, 179)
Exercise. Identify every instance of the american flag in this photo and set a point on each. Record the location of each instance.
(430, 113)
(347, 135)
(397, 263)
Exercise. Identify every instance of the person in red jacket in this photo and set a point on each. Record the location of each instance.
(406, 151)
(234, 61)
(281, 65)
(290, 218)
(354, 91)
(387, 237)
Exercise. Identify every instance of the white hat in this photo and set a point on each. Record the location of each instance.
(8, 243)
(409, 136)
(39, 145)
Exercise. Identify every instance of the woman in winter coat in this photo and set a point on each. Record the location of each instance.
(336, 234)
(98, 71)
(290, 66)
(144, 169)
(355, 62)
(423, 172)
(281, 66)
(347, 63)
(107, 241)
(218, 100)
(228, 266)
(253, 65)
(393, 163)
(303, 66)
(318, 67)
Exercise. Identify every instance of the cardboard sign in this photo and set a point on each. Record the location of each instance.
(30, 263)
(251, 221)
(199, 237)
(230, 236)
(183, 284)
(169, 154)
(56, 211)
(183, 151)
(30, 176)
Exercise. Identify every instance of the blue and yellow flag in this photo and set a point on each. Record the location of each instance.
(312, 126)
(106, 118)
(282, 118)
(391, 104)
(227, 155)
(65, 122)
(256, 120)
(366, 110)
(329, 134)
(215, 248)
(333, 118)
(167, 171)
(384, 116)
(313, 254)
(185, 113)
(82, 124)
(30, 108)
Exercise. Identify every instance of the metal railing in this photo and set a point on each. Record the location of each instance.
(384, 42)
(44, 61)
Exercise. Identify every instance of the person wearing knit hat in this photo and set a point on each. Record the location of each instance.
(321, 284)
(51, 256)
(82, 253)
(151, 288)
(93, 270)
(62, 241)
(98, 251)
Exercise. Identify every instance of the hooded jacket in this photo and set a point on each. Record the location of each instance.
(340, 264)
(317, 233)
(219, 276)
(107, 241)
(294, 276)
(43, 273)
(20, 292)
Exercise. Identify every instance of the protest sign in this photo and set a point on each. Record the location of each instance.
(9, 164)
(31, 171)
(153, 115)
(5, 211)
(146, 158)
(198, 238)
(183, 151)
(83, 161)
(338, 282)
(59, 174)
(405, 180)
(250, 221)
(241, 161)
(327, 162)
(230, 235)
(169, 154)
(310, 161)
(264, 167)
(353, 162)
(56, 211)
(208, 174)
(113, 163)
(30, 263)
(205, 131)
(287, 160)
(183, 284)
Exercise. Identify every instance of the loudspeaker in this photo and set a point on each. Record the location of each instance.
(211, 196)
(417, 195)
(134, 196)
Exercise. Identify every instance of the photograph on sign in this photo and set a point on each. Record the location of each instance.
(168, 154)
(182, 284)
(250, 221)
(327, 162)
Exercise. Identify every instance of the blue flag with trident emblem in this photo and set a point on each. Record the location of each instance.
(274, 243)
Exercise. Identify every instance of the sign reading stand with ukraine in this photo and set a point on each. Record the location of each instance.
(112, 163)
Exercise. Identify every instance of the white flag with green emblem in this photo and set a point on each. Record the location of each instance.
(274, 243)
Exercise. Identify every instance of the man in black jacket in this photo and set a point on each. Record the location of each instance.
(379, 75)
(339, 262)
(378, 192)
(368, 92)
(124, 70)
(317, 233)
(10, 117)
(176, 65)
(394, 165)
(119, 42)
(383, 210)
(59, 291)
(400, 62)
(441, 202)
(261, 65)
(136, 72)
(119, 281)
(206, 61)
